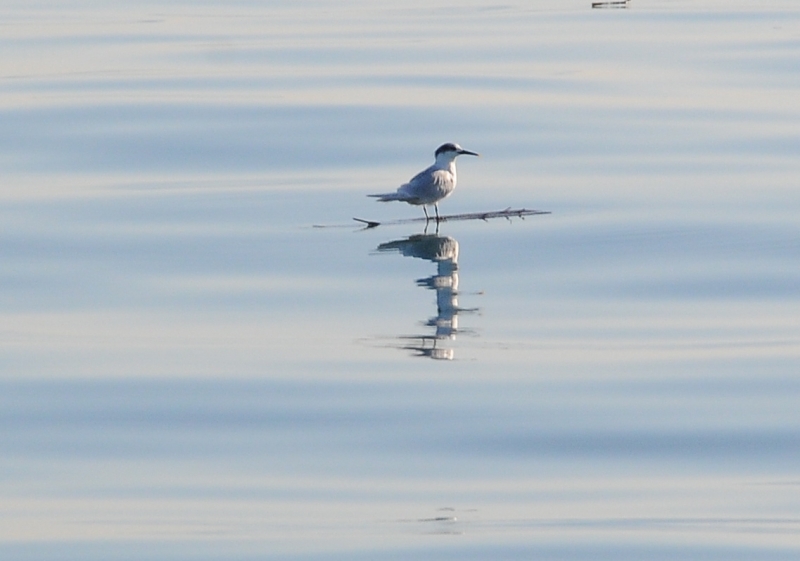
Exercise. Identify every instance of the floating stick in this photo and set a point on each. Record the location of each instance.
(611, 4)
(508, 214)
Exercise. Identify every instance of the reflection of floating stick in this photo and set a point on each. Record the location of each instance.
(611, 4)
(508, 213)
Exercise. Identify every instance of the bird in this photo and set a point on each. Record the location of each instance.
(433, 184)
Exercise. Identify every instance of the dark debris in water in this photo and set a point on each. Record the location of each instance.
(611, 4)
(508, 214)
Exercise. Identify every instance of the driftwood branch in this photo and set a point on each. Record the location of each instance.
(611, 4)
(508, 214)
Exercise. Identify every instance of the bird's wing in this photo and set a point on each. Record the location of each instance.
(426, 183)
(422, 179)
(442, 178)
(408, 193)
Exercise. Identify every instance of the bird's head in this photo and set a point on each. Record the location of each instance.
(451, 151)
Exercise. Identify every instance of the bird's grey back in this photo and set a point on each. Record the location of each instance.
(430, 185)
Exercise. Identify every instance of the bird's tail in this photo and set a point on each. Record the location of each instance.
(386, 197)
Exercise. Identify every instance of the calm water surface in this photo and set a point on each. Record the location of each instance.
(190, 369)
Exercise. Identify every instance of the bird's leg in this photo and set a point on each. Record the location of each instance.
(436, 208)
(425, 210)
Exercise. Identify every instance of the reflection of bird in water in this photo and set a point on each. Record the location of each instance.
(433, 184)
(425, 246)
(443, 251)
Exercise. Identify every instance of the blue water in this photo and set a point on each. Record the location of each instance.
(192, 368)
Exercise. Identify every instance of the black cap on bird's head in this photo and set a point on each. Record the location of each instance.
(452, 147)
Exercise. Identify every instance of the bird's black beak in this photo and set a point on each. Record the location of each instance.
(468, 153)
